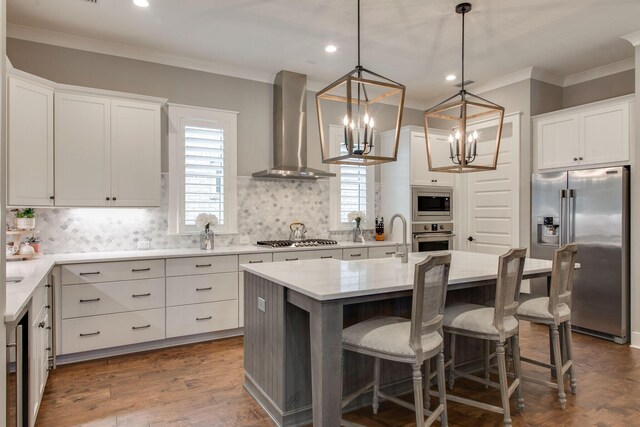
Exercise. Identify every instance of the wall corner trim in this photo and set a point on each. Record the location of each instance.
(633, 38)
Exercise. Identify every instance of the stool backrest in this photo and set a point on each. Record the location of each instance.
(564, 262)
(429, 293)
(510, 268)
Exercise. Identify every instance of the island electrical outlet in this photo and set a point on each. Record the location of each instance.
(262, 304)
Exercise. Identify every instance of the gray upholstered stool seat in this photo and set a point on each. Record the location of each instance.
(389, 335)
(537, 310)
(413, 341)
(476, 319)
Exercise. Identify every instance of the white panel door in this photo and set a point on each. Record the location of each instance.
(604, 134)
(557, 140)
(82, 150)
(492, 197)
(135, 153)
(30, 144)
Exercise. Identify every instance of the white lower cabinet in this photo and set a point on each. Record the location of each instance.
(38, 360)
(382, 252)
(201, 318)
(302, 255)
(183, 290)
(248, 259)
(352, 254)
(112, 330)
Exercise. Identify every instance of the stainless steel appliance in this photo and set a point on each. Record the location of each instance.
(589, 207)
(431, 203)
(432, 236)
(299, 243)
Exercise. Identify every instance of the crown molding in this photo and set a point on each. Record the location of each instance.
(505, 80)
(603, 71)
(633, 38)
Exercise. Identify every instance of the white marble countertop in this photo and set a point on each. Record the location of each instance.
(33, 272)
(328, 279)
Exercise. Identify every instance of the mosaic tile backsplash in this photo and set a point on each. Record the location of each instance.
(265, 209)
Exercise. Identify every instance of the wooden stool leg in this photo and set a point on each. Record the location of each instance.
(427, 383)
(417, 393)
(504, 381)
(515, 348)
(555, 336)
(375, 401)
(569, 343)
(487, 354)
(442, 390)
(452, 338)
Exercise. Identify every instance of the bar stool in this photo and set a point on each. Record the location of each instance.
(493, 324)
(412, 341)
(555, 311)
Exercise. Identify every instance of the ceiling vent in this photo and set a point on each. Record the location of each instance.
(466, 83)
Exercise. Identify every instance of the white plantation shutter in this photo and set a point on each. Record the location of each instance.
(202, 168)
(353, 187)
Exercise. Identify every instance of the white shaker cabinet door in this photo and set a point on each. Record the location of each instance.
(82, 132)
(557, 140)
(30, 144)
(605, 134)
(135, 153)
(420, 173)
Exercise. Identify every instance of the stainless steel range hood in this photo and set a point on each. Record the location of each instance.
(290, 130)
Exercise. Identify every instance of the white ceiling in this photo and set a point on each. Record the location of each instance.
(415, 42)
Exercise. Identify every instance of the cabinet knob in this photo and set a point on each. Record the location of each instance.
(470, 238)
(580, 158)
(52, 197)
(108, 198)
(114, 199)
(575, 159)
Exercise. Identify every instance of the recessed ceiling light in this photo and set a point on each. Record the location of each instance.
(330, 48)
(141, 3)
(451, 77)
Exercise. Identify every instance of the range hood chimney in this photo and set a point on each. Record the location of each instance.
(290, 130)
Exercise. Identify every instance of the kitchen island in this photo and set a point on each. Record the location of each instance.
(295, 313)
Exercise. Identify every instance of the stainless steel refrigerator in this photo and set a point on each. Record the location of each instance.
(591, 208)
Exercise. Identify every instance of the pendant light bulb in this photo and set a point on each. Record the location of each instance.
(475, 134)
(371, 122)
(352, 125)
(450, 138)
(470, 139)
(458, 135)
(345, 121)
(366, 118)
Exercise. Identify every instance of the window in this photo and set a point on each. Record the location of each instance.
(352, 189)
(202, 168)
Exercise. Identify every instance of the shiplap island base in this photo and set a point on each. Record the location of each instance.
(294, 317)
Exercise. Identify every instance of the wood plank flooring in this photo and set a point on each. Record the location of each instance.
(201, 385)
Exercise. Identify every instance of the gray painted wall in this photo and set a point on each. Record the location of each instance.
(253, 100)
(619, 84)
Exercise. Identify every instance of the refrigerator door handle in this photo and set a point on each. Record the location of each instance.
(563, 199)
(571, 194)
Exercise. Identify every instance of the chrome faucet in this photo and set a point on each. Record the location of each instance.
(402, 252)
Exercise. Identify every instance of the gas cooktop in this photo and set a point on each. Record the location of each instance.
(296, 244)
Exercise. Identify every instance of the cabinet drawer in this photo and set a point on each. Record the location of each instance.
(111, 297)
(202, 265)
(112, 330)
(354, 253)
(302, 255)
(182, 290)
(255, 258)
(112, 271)
(382, 252)
(201, 318)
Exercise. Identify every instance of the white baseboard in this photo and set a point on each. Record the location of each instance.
(635, 340)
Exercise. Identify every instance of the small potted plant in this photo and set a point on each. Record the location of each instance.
(358, 217)
(206, 221)
(25, 219)
(34, 241)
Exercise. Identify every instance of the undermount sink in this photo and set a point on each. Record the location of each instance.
(14, 279)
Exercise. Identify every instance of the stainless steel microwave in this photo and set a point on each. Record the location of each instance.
(432, 203)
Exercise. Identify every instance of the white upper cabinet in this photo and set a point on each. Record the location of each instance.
(83, 130)
(588, 135)
(420, 173)
(107, 151)
(30, 143)
(135, 153)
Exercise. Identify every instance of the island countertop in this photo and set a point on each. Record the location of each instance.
(329, 279)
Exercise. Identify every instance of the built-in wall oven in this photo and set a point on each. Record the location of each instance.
(434, 236)
(431, 203)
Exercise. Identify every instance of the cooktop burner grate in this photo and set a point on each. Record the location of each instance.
(295, 244)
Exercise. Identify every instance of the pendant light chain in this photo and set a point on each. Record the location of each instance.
(462, 85)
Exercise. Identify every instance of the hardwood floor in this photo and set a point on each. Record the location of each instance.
(201, 385)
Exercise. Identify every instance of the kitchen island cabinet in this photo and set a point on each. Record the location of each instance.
(294, 318)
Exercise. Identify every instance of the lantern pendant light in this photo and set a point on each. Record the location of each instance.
(352, 112)
(463, 140)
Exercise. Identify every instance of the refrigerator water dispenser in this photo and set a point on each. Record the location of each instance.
(548, 231)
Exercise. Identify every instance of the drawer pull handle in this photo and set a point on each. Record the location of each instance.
(90, 334)
(255, 262)
(390, 253)
(356, 255)
(326, 257)
(90, 300)
(203, 289)
(136, 328)
(138, 270)
(202, 265)
(148, 294)
(291, 259)
(41, 325)
(204, 318)
(90, 273)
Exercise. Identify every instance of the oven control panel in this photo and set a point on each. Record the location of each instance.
(432, 227)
